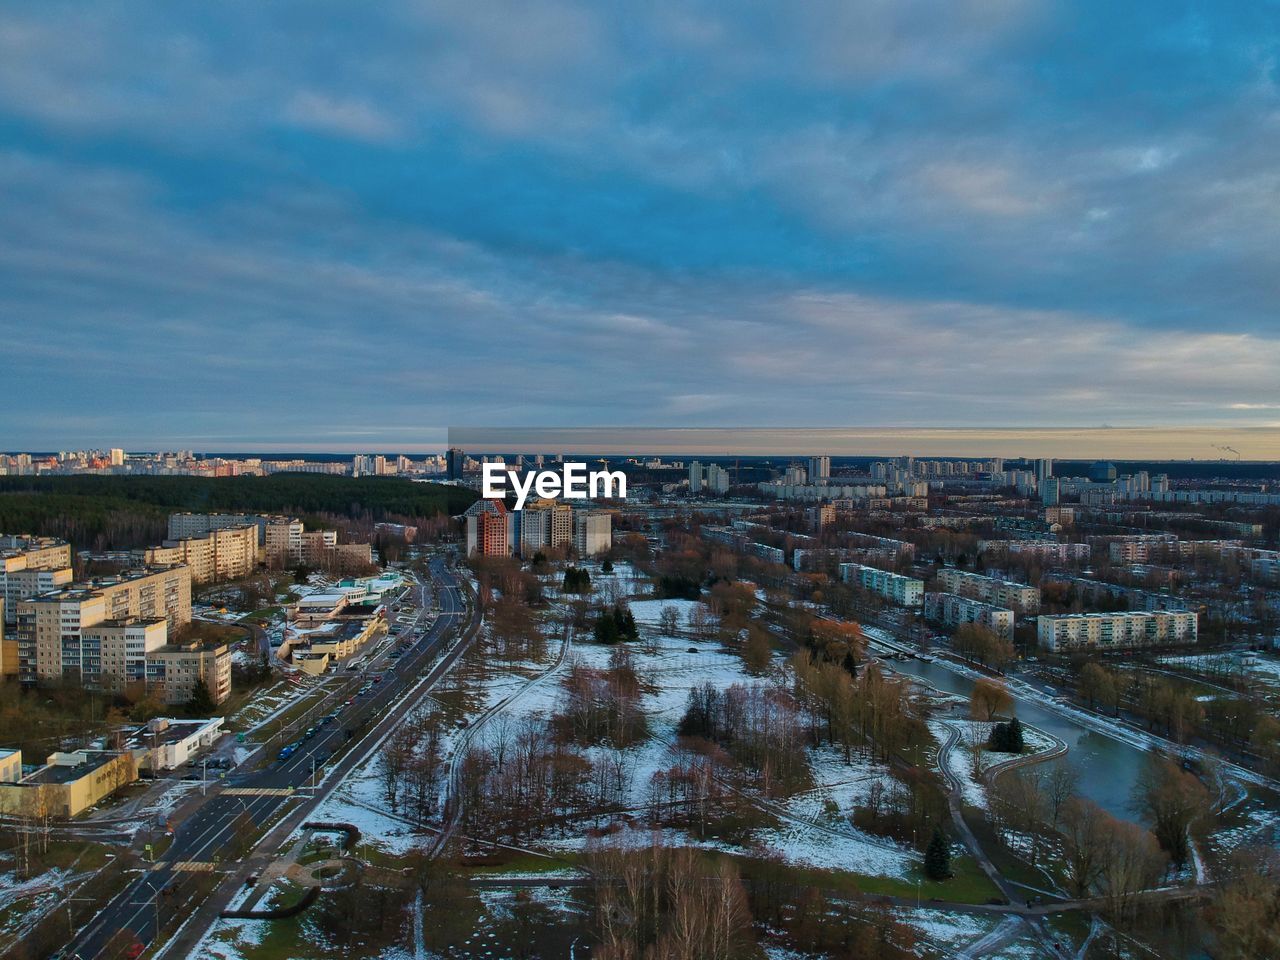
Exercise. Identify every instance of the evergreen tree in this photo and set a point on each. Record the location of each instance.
(201, 703)
(607, 566)
(850, 664)
(937, 857)
(1015, 741)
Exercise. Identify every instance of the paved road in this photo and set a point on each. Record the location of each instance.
(208, 834)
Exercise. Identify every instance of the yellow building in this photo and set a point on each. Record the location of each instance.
(224, 554)
(343, 639)
(28, 566)
(33, 553)
(50, 627)
(10, 766)
(67, 784)
(178, 667)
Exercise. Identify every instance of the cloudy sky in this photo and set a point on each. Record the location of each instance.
(322, 224)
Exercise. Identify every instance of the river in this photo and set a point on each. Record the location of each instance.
(1108, 768)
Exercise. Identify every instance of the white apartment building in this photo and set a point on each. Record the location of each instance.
(592, 532)
(904, 591)
(1114, 631)
(1049, 550)
(1019, 597)
(952, 610)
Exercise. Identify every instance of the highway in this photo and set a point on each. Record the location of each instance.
(220, 828)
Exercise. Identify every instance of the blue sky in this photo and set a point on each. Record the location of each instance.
(311, 224)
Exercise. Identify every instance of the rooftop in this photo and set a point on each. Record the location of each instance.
(69, 767)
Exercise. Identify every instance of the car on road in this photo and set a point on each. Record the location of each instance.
(288, 751)
(311, 732)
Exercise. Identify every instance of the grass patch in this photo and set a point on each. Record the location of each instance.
(968, 885)
(512, 861)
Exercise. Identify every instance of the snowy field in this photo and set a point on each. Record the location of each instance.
(1258, 666)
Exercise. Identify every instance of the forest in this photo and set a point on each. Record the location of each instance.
(99, 511)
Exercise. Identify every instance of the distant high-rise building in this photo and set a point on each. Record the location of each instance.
(1044, 469)
(1049, 491)
(819, 469)
(695, 476)
(117, 457)
(454, 459)
(592, 532)
(717, 479)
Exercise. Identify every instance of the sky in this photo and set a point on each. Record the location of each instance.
(323, 225)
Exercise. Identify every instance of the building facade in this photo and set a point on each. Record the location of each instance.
(952, 610)
(51, 628)
(1019, 597)
(226, 553)
(904, 591)
(1059, 633)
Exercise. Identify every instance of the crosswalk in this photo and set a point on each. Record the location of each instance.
(258, 791)
(193, 866)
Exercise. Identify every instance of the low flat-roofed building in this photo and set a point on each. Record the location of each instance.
(315, 607)
(68, 783)
(10, 765)
(165, 744)
(346, 638)
(310, 663)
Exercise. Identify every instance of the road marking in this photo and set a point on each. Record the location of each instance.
(258, 791)
(193, 866)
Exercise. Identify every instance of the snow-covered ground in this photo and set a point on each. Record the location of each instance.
(1258, 666)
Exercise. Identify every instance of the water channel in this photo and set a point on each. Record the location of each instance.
(1108, 767)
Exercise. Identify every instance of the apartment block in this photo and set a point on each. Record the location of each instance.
(1113, 631)
(111, 654)
(904, 591)
(1018, 597)
(1146, 548)
(952, 610)
(33, 553)
(1048, 550)
(226, 553)
(489, 529)
(592, 532)
(544, 524)
(279, 537)
(50, 628)
(178, 667)
(28, 566)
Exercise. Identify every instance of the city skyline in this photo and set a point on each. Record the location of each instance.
(1082, 443)
(251, 225)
